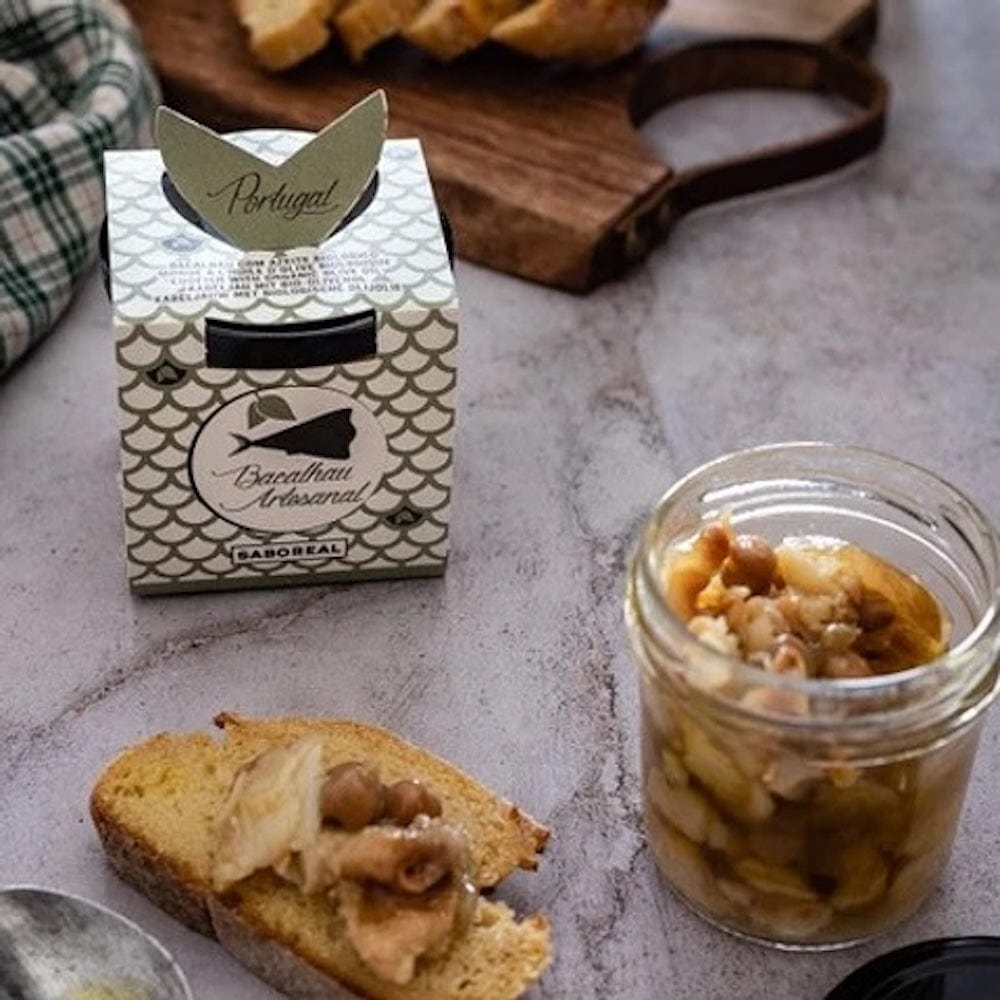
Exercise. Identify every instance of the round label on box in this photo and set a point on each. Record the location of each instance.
(288, 459)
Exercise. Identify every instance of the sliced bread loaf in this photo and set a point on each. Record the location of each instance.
(156, 808)
(284, 32)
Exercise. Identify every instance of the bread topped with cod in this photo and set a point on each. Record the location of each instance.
(327, 856)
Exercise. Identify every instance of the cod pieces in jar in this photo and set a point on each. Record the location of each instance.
(756, 827)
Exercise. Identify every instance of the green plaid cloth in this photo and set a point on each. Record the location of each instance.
(73, 82)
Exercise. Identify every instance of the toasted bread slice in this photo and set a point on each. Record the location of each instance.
(446, 29)
(364, 23)
(156, 808)
(284, 32)
(588, 31)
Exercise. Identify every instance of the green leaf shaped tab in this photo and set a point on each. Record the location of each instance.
(260, 206)
(268, 408)
(275, 408)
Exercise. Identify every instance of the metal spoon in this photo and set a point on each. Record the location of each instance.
(54, 946)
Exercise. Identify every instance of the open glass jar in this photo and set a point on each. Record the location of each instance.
(812, 813)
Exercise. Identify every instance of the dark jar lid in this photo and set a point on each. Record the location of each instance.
(966, 968)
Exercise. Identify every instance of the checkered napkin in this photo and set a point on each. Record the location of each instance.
(73, 82)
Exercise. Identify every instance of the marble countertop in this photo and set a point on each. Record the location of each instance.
(863, 308)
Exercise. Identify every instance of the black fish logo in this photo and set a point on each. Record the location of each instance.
(327, 436)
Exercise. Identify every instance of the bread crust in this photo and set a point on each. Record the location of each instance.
(276, 965)
(139, 864)
(154, 808)
(173, 883)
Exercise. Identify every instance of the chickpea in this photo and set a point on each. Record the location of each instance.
(790, 657)
(751, 562)
(838, 637)
(713, 543)
(840, 666)
(406, 800)
(352, 796)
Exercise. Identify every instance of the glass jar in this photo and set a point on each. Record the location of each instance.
(807, 813)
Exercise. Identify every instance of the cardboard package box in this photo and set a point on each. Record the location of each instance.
(287, 416)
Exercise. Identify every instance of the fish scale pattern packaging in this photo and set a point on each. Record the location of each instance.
(286, 416)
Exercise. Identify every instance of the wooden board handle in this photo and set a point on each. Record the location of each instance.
(732, 65)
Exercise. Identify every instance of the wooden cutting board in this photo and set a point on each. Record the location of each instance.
(540, 170)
